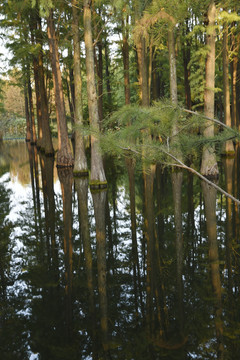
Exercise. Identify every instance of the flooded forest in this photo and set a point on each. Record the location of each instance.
(119, 180)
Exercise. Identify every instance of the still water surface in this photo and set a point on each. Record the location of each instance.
(148, 269)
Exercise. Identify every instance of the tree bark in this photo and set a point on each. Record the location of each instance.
(64, 155)
(172, 63)
(27, 114)
(98, 178)
(186, 59)
(44, 134)
(125, 53)
(31, 114)
(209, 166)
(143, 71)
(228, 148)
(80, 163)
(234, 67)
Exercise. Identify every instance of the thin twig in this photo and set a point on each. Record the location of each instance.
(183, 166)
(209, 118)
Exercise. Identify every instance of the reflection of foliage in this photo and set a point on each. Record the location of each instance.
(12, 126)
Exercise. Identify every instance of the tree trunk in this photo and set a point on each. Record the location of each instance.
(98, 178)
(234, 67)
(143, 71)
(64, 155)
(172, 63)
(80, 163)
(31, 114)
(125, 53)
(27, 114)
(209, 166)
(186, 59)
(228, 148)
(44, 133)
(100, 81)
(108, 83)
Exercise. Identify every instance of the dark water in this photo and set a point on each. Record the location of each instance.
(146, 270)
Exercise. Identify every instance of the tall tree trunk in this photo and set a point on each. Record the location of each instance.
(64, 155)
(108, 83)
(27, 114)
(209, 163)
(143, 71)
(234, 68)
(98, 178)
(31, 114)
(44, 138)
(186, 59)
(125, 53)
(229, 148)
(172, 63)
(80, 163)
(100, 80)
(46, 144)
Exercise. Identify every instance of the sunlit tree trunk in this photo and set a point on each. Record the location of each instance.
(125, 53)
(80, 162)
(229, 148)
(172, 63)
(64, 154)
(31, 114)
(234, 72)
(98, 178)
(143, 71)
(186, 59)
(44, 138)
(108, 82)
(209, 164)
(27, 114)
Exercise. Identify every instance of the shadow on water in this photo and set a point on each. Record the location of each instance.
(148, 269)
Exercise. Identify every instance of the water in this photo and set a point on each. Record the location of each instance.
(146, 270)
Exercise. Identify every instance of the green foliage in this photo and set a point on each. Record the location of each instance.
(147, 132)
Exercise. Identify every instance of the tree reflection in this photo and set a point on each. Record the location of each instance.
(81, 185)
(209, 194)
(99, 203)
(65, 176)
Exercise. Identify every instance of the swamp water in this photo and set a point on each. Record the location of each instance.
(148, 269)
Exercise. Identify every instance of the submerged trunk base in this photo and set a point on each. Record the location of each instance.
(98, 185)
(80, 173)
